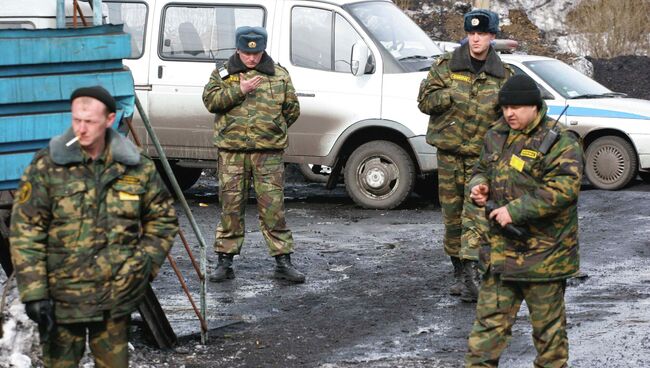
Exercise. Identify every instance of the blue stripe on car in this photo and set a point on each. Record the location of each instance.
(596, 113)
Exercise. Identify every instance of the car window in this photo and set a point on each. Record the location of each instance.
(204, 33)
(564, 79)
(314, 37)
(134, 17)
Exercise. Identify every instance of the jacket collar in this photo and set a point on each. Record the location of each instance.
(460, 61)
(122, 150)
(265, 66)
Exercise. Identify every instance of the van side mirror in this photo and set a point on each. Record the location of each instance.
(359, 58)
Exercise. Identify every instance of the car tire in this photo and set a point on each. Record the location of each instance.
(185, 176)
(310, 175)
(611, 163)
(379, 175)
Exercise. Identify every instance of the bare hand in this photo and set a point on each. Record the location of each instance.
(249, 85)
(480, 194)
(502, 216)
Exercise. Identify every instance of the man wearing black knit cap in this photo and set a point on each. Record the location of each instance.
(91, 225)
(460, 94)
(528, 179)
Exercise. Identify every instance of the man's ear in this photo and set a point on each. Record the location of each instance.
(110, 119)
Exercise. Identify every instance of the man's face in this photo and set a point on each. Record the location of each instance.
(250, 59)
(519, 116)
(90, 121)
(479, 44)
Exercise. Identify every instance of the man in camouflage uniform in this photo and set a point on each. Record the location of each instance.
(255, 103)
(460, 94)
(530, 170)
(91, 225)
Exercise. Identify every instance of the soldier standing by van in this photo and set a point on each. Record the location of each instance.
(255, 103)
(460, 94)
(91, 225)
(530, 170)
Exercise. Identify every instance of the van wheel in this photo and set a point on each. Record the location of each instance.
(610, 163)
(185, 176)
(380, 175)
(321, 177)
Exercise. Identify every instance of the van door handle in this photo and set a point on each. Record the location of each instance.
(160, 69)
(302, 94)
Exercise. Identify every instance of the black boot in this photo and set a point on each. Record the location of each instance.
(457, 287)
(469, 294)
(284, 270)
(224, 269)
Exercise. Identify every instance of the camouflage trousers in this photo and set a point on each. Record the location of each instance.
(496, 312)
(108, 342)
(465, 223)
(266, 169)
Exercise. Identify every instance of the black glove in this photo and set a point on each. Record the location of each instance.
(41, 312)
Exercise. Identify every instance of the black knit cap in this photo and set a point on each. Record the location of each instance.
(96, 92)
(520, 89)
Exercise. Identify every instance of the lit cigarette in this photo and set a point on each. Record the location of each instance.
(70, 142)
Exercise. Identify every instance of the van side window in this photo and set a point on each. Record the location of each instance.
(204, 33)
(134, 17)
(314, 37)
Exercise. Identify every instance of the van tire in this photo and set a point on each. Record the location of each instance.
(185, 176)
(611, 163)
(379, 175)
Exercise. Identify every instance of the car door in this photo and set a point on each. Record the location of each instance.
(316, 47)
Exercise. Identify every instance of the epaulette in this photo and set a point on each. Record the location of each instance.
(282, 68)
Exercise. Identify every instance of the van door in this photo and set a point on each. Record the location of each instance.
(316, 46)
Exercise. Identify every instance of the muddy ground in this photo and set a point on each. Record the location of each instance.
(376, 290)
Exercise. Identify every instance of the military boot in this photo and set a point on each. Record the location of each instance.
(224, 269)
(284, 270)
(457, 287)
(469, 294)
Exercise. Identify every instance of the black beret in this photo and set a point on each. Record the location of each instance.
(96, 92)
(520, 89)
(481, 20)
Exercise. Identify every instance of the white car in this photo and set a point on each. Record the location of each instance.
(615, 129)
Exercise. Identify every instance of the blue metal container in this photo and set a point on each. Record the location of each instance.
(39, 70)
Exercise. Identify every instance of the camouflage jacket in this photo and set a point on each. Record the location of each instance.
(258, 120)
(462, 104)
(540, 192)
(90, 242)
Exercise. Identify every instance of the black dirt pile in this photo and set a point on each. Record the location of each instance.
(627, 74)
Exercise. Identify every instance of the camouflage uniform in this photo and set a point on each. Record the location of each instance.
(251, 134)
(540, 192)
(89, 235)
(463, 106)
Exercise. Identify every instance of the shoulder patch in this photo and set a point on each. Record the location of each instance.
(24, 193)
(223, 72)
(460, 77)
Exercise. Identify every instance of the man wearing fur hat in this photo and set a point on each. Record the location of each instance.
(528, 177)
(460, 94)
(255, 104)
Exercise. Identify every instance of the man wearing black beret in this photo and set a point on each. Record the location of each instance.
(530, 171)
(460, 94)
(91, 225)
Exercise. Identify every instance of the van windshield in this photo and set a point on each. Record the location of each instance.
(397, 33)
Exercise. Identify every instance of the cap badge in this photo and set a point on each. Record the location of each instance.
(252, 44)
(475, 22)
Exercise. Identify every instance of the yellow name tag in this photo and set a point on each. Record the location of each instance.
(124, 196)
(234, 78)
(516, 163)
(460, 77)
(528, 153)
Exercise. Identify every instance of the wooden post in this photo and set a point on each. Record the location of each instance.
(97, 12)
(60, 14)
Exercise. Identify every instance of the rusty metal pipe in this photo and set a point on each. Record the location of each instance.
(204, 326)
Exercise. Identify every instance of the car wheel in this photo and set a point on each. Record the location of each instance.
(185, 176)
(321, 177)
(379, 175)
(610, 163)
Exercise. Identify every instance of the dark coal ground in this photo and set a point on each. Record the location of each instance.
(627, 74)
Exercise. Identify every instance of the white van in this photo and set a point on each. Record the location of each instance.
(356, 66)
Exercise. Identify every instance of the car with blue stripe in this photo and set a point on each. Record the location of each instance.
(615, 129)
